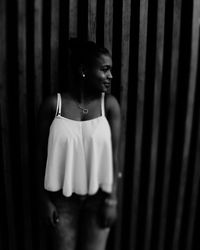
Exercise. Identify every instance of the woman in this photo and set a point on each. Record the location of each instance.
(78, 138)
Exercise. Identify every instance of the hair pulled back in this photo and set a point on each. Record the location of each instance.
(84, 53)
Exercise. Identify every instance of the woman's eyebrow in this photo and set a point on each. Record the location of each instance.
(107, 66)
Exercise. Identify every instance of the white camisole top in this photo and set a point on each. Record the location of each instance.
(79, 157)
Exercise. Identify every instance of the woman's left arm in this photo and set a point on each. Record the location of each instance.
(114, 119)
(108, 211)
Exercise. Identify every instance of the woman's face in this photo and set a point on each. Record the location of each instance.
(99, 75)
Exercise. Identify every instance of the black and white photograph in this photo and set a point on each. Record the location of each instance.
(100, 124)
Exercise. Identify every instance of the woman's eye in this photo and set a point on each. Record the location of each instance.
(105, 69)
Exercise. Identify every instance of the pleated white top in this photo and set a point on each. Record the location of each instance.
(79, 158)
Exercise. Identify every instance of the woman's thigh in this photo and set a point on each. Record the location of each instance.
(63, 234)
(92, 236)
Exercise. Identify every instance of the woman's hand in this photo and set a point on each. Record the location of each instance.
(108, 213)
(49, 213)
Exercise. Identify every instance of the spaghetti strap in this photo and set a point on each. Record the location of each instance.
(103, 104)
(58, 107)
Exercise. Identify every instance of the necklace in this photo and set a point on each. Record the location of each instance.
(84, 110)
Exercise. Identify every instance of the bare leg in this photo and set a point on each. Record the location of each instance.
(64, 233)
(91, 235)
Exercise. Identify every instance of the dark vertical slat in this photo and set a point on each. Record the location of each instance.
(92, 18)
(139, 118)
(1, 241)
(7, 175)
(171, 119)
(156, 116)
(108, 25)
(3, 50)
(125, 51)
(73, 18)
(38, 53)
(194, 194)
(54, 44)
(5, 135)
(188, 123)
(38, 68)
(23, 123)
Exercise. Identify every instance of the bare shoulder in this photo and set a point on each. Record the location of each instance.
(113, 114)
(112, 109)
(48, 107)
(112, 106)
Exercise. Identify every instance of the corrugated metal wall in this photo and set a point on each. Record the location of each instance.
(155, 47)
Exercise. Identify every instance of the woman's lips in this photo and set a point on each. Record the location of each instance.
(107, 84)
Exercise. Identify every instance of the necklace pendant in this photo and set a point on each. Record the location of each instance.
(85, 111)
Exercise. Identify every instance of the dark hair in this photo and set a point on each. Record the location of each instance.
(84, 52)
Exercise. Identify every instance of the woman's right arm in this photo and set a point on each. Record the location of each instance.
(45, 116)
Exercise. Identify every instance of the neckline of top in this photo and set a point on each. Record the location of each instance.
(59, 106)
(81, 121)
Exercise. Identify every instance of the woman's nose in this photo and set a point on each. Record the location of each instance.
(110, 76)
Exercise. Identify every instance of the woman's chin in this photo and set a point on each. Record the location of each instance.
(106, 89)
